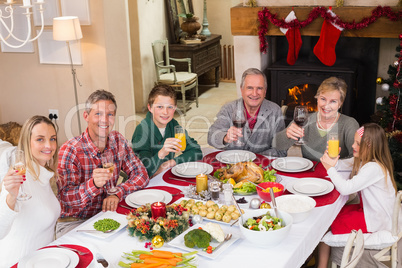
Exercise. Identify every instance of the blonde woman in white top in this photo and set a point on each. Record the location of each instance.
(28, 225)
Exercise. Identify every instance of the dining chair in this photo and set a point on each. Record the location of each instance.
(355, 240)
(390, 253)
(166, 72)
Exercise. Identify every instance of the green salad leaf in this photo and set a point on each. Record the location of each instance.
(247, 187)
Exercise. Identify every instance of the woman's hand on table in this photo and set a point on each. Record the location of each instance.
(294, 131)
(101, 176)
(171, 145)
(110, 203)
(328, 161)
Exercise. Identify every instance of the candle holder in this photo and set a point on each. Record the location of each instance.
(158, 209)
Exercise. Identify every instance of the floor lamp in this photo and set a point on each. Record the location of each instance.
(68, 29)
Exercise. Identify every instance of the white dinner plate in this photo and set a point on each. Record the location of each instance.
(310, 186)
(89, 224)
(178, 242)
(167, 197)
(144, 197)
(292, 164)
(191, 169)
(50, 258)
(235, 156)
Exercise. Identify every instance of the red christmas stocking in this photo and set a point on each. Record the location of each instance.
(325, 47)
(294, 39)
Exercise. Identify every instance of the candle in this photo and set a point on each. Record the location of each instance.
(158, 209)
(26, 3)
(201, 182)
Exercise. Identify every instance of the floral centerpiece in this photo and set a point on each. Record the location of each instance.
(142, 225)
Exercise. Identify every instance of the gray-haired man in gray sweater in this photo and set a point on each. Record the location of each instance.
(263, 119)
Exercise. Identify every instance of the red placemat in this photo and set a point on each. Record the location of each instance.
(168, 189)
(323, 200)
(319, 172)
(85, 260)
(168, 174)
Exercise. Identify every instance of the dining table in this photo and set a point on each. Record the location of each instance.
(292, 252)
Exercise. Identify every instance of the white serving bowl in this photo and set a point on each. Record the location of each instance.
(299, 206)
(265, 238)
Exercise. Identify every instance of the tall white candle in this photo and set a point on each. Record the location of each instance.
(26, 3)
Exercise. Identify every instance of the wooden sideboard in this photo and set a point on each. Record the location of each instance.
(204, 56)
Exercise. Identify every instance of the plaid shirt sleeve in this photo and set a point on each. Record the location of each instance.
(137, 174)
(76, 188)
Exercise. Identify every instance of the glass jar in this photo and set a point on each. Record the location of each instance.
(228, 193)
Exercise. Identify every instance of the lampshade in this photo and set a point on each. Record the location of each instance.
(66, 28)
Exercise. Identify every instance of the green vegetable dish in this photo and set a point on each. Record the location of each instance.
(264, 223)
(197, 238)
(106, 224)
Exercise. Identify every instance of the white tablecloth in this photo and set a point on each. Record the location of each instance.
(291, 253)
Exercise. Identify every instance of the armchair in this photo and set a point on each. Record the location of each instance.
(166, 72)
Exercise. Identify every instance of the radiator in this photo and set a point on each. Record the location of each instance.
(227, 70)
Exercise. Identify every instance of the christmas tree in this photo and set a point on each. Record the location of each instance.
(389, 112)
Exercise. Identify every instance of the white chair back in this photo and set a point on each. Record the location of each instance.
(355, 241)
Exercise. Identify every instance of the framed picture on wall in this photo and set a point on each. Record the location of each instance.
(79, 8)
(20, 31)
(51, 10)
(56, 52)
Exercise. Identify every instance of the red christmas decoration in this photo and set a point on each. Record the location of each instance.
(265, 15)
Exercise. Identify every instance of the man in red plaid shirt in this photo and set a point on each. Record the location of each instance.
(83, 182)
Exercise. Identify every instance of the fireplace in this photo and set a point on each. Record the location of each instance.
(357, 61)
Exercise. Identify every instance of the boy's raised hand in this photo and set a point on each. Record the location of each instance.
(171, 145)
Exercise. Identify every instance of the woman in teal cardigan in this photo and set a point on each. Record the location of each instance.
(153, 139)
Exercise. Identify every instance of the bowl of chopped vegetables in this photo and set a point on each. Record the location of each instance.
(262, 229)
(299, 206)
(265, 195)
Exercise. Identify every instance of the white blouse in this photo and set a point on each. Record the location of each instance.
(377, 192)
(31, 225)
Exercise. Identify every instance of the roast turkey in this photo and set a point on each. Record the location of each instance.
(243, 171)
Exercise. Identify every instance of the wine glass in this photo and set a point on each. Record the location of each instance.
(108, 163)
(239, 121)
(18, 164)
(300, 118)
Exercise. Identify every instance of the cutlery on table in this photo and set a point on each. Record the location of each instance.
(234, 222)
(227, 238)
(256, 185)
(313, 168)
(238, 208)
(96, 231)
(267, 166)
(181, 180)
(127, 207)
(73, 249)
(101, 260)
(273, 201)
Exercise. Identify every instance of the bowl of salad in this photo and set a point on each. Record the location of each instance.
(261, 228)
(265, 195)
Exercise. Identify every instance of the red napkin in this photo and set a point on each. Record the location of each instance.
(85, 260)
(168, 189)
(168, 174)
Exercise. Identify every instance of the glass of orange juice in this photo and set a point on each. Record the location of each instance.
(333, 145)
(180, 133)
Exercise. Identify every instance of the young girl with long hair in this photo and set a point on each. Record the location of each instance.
(28, 225)
(371, 177)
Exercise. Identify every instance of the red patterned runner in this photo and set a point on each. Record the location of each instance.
(85, 260)
(168, 189)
